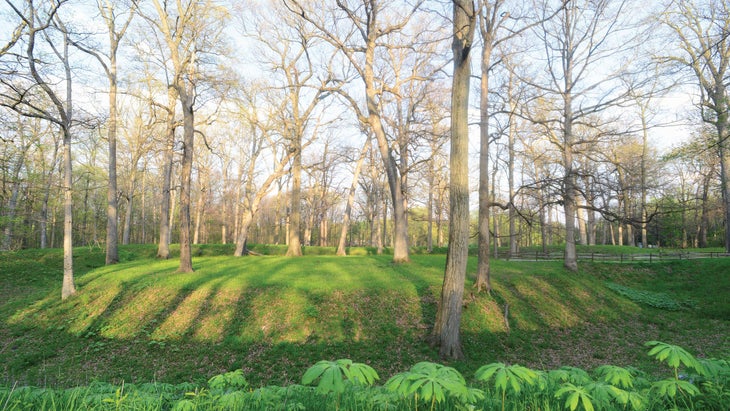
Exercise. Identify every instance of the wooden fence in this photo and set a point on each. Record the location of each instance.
(598, 257)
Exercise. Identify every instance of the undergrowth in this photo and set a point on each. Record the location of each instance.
(691, 384)
(653, 299)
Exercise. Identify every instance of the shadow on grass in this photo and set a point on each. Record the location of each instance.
(276, 316)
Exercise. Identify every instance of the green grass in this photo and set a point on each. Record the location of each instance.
(273, 316)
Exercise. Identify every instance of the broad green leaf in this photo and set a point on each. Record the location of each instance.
(575, 395)
(670, 387)
(618, 376)
(674, 356)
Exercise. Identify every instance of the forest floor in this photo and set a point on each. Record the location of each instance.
(273, 316)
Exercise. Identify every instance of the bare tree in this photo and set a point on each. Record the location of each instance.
(582, 36)
(189, 30)
(30, 92)
(351, 198)
(499, 21)
(257, 135)
(372, 27)
(702, 30)
(116, 23)
(292, 51)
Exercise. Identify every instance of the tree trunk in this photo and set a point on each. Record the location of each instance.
(127, 221)
(46, 199)
(186, 171)
(569, 190)
(512, 212)
(429, 206)
(68, 288)
(112, 212)
(242, 239)
(397, 195)
(199, 212)
(483, 282)
(705, 212)
(582, 227)
(295, 211)
(448, 318)
(351, 199)
(163, 247)
(724, 152)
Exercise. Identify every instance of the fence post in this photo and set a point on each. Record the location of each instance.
(650, 255)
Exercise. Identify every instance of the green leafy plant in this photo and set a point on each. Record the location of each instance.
(616, 376)
(331, 375)
(715, 385)
(514, 377)
(229, 381)
(674, 356)
(570, 374)
(432, 383)
(650, 298)
(575, 396)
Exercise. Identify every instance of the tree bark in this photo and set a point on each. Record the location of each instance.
(483, 282)
(68, 288)
(448, 318)
(163, 247)
(112, 212)
(186, 171)
(400, 216)
(295, 208)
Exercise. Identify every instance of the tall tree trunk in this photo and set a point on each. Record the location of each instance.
(397, 194)
(483, 282)
(351, 199)
(68, 288)
(724, 152)
(513, 239)
(644, 188)
(186, 172)
(569, 190)
(46, 198)
(448, 318)
(112, 212)
(163, 247)
(495, 219)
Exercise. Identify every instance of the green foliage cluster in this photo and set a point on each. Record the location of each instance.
(653, 299)
(694, 384)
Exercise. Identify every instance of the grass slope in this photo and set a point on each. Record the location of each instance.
(275, 316)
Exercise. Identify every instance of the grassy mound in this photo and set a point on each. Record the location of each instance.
(274, 316)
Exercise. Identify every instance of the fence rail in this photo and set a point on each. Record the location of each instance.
(598, 257)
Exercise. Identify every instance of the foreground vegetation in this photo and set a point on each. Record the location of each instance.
(151, 332)
(344, 384)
